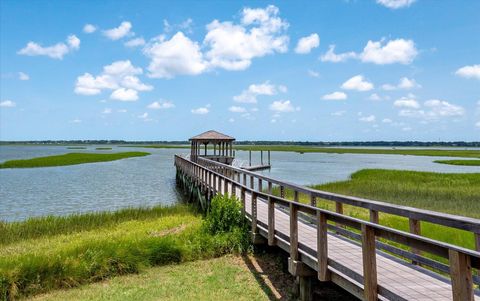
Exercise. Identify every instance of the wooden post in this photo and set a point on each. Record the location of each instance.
(271, 222)
(313, 200)
(295, 196)
(245, 179)
(225, 187)
(339, 209)
(415, 228)
(374, 216)
(261, 157)
(242, 199)
(253, 195)
(461, 276)
(252, 183)
(269, 187)
(369, 263)
(234, 189)
(249, 158)
(293, 232)
(282, 191)
(260, 185)
(322, 247)
(214, 182)
(268, 157)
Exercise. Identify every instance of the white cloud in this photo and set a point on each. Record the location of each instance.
(338, 113)
(89, 28)
(107, 111)
(434, 109)
(233, 46)
(250, 95)
(306, 44)
(184, 26)
(370, 118)
(472, 71)
(387, 120)
(236, 109)
(135, 42)
(120, 76)
(395, 4)
(143, 116)
(358, 83)
(331, 56)
(177, 56)
(375, 97)
(200, 111)
(122, 111)
(23, 76)
(394, 51)
(76, 120)
(313, 73)
(335, 96)
(161, 105)
(406, 103)
(124, 94)
(57, 51)
(118, 32)
(7, 104)
(283, 106)
(404, 83)
(477, 124)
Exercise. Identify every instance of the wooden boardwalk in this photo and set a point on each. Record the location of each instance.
(362, 267)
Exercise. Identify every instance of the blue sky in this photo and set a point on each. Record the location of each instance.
(277, 70)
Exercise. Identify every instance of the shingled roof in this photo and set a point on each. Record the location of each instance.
(212, 135)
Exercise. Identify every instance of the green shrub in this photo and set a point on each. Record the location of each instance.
(224, 215)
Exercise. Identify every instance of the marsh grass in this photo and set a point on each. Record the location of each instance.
(48, 253)
(103, 148)
(69, 159)
(450, 193)
(460, 162)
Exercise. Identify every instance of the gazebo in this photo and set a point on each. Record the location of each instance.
(222, 147)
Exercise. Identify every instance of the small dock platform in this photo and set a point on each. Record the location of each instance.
(257, 167)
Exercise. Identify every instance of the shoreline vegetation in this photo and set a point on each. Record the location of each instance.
(103, 148)
(69, 159)
(43, 254)
(453, 193)
(460, 162)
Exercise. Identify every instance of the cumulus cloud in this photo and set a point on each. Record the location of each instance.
(472, 71)
(375, 97)
(233, 46)
(387, 120)
(370, 118)
(236, 109)
(405, 102)
(283, 106)
(135, 42)
(7, 103)
(200, 111)
(23, 76)
(177, 56)
(434, 109)
(161, 105)
(89, 28)
(250, 95)
(395, 4)
(358, 83)
(404, 83)
(119, 32)
(57, 51)
(120, 76)
(331, 56)
(378, 52)
(335, 96)
(306, 44)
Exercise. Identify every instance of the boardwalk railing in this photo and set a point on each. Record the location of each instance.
(213, 177)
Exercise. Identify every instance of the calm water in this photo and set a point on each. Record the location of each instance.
(147, 181)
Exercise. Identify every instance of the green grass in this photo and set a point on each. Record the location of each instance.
(69, 159)
(460, 162)
(103, 148)
(43, 254)
(224, 278)
(450, 193)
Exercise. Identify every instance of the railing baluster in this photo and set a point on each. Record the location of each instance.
(252, 183)
(282, 191)
(374, 216)
(242, 199)
(269, 187)
(271, 222)
(461, 276)
(313, 200)
(293, 231)
(322, 247)
(415, 228)
(225, 186)
(370, 289)
(260, 185)
(253, 196)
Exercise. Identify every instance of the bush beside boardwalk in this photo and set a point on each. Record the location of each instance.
(62, 258)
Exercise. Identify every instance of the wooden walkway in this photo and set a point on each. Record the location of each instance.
(360, 266)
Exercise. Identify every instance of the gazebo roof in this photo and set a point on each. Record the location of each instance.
(213, 136)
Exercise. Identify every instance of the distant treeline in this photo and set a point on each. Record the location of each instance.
(304, 143)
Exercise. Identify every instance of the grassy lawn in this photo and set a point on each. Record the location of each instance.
(224, 278)
(450, 193)
(460, 162)
(43, 254)
(69, 159)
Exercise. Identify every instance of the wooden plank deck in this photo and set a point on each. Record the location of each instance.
(405, 280)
